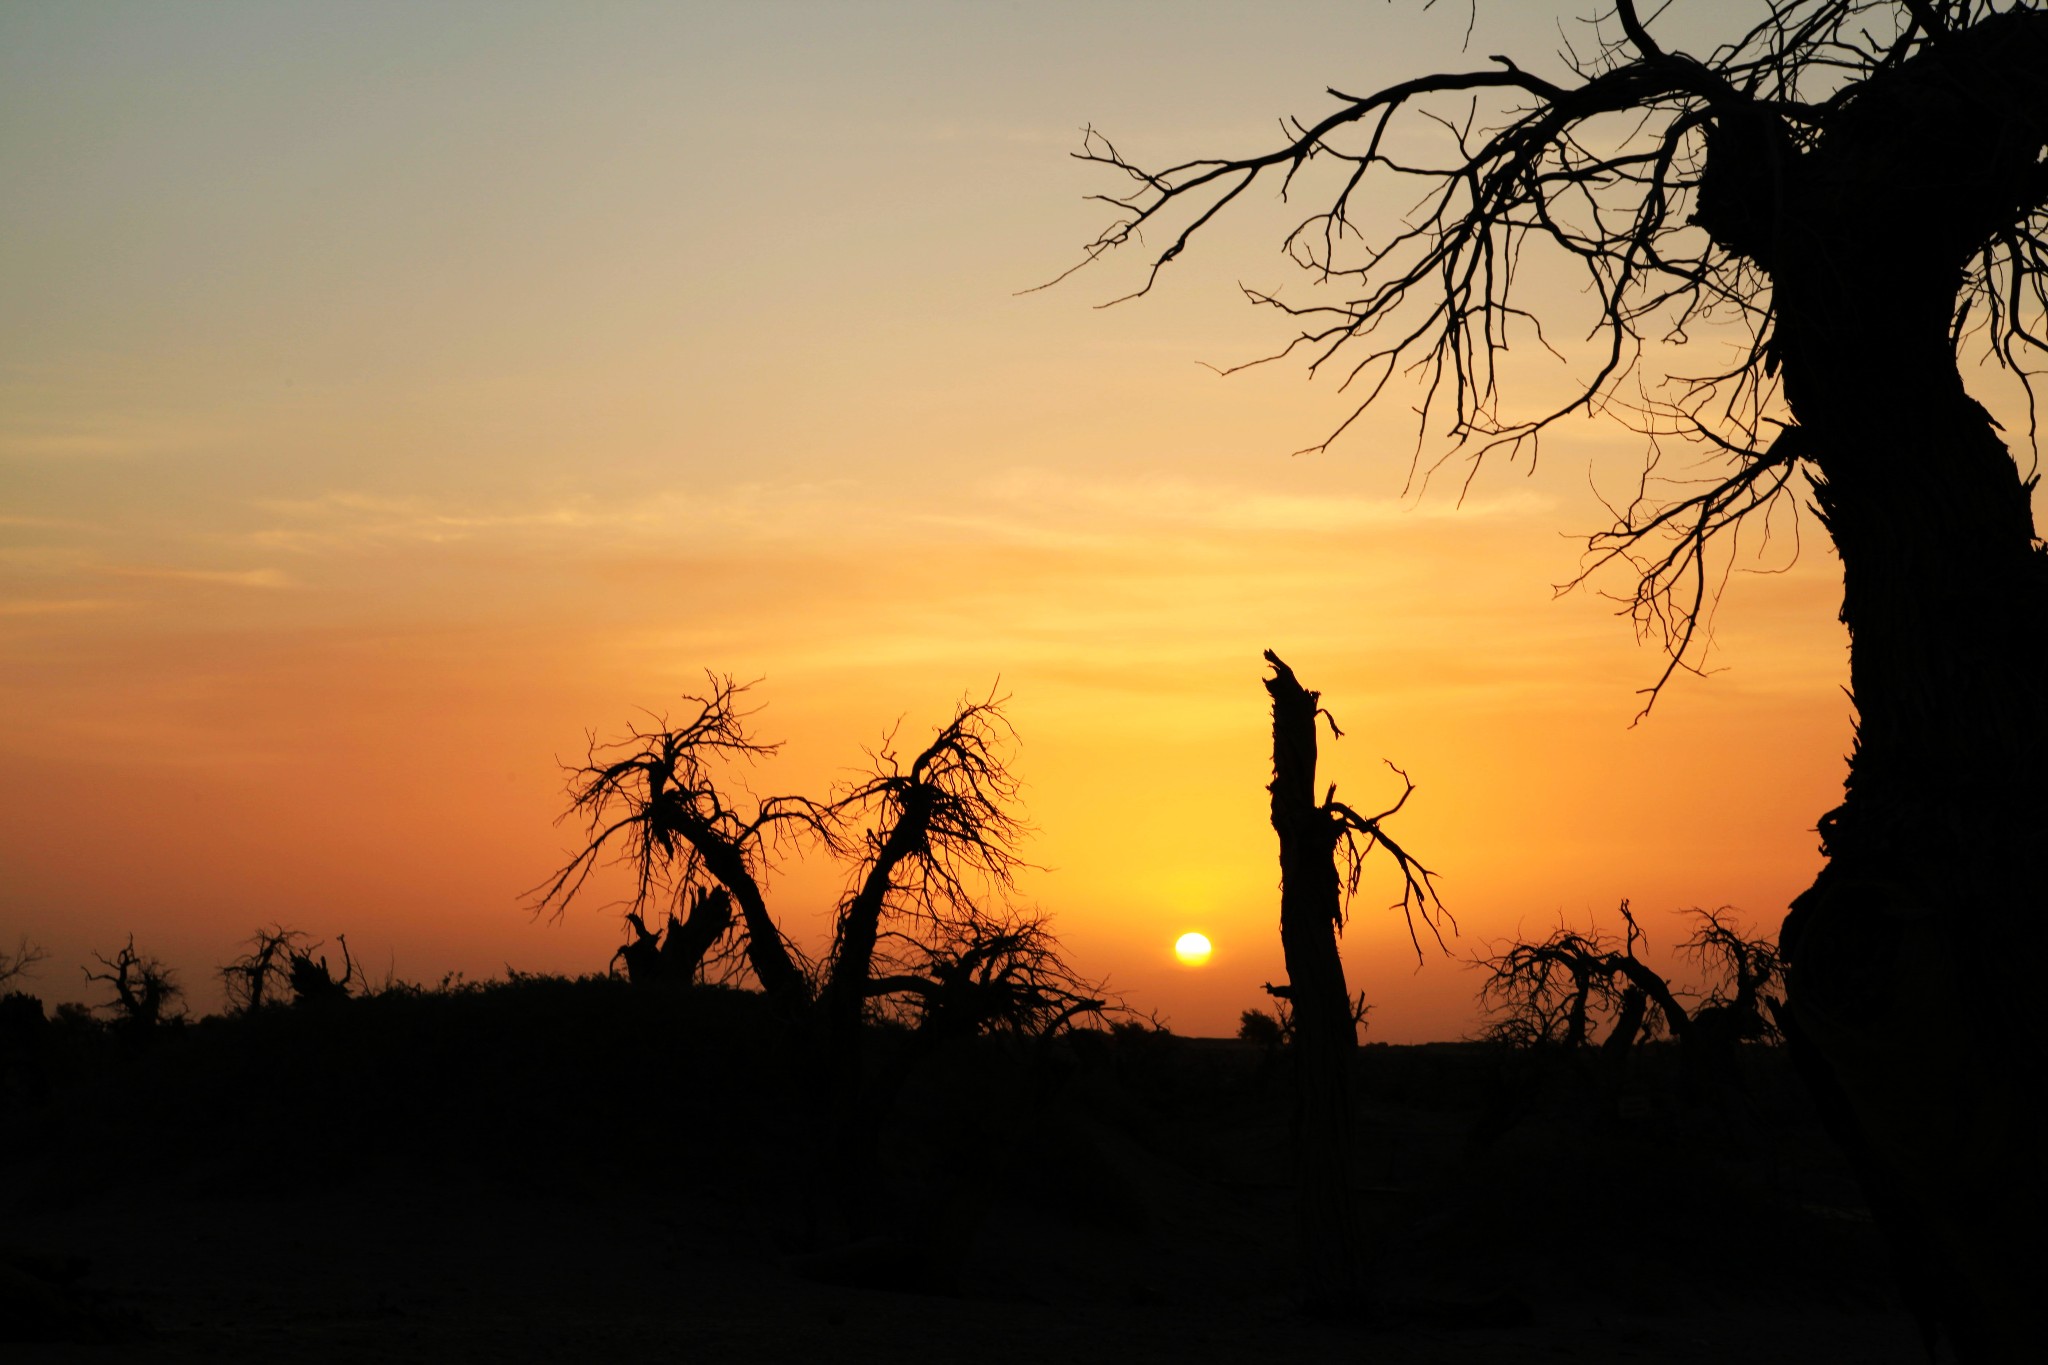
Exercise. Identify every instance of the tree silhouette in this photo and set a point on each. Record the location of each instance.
(281, 959)
(1857, 187)
(992, 972)
(1560, 990)
(926, 917)
(1740, 969)
(656, 792)
(22, 961)
(675, 954)
(146, 993)
(1316, 836)
(941, 834)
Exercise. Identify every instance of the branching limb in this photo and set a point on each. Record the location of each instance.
(653, 801)
(1661, 181)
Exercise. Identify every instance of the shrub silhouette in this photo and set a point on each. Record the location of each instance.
(1564, 989)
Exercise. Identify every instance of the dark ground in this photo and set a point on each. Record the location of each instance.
(549, 1170)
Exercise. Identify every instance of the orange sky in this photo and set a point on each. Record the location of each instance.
(388, 395)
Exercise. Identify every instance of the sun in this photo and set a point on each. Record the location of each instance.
(1193, 949)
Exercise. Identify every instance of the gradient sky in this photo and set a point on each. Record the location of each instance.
(389, 394)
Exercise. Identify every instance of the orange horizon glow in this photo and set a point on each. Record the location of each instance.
(394, 399)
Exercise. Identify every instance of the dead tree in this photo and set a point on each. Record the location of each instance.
(941, 838)
(254, 979)
(21, 962)
(1740, 970)
(674, 955)
(656, 793)
(1314, 835)
(281, 960)
(1856, 189)
(1557, 992)
(146, 993)
(995, 973)
(313, 982)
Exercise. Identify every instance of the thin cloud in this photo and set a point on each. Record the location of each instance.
(234, 578)
(67, 606)
(349, 520)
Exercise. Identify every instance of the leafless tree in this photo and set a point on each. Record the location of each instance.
(146, 993)
(21, 962)
(932, 839)
(990, 973)
(314, 982)
(1560, 990)
(254, 979)
(940, 840)
(1740, 968)
(1318, 837)
(1856, 189)
(654, 800)
(280, 960)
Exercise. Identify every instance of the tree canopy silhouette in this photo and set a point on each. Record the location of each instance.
(931, 841)
(656, 792)
(1857, 188)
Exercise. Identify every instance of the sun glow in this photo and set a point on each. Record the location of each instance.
(1193, 949)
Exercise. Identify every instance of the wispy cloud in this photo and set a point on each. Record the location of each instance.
(234, 578)
(347, 520)
(67, 606)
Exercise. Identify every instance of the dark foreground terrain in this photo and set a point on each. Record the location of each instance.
(547, 1170)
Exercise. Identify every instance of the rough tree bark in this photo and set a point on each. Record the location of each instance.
(1912, 961)
(1325, 1037)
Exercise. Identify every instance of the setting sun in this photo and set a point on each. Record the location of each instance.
(1193, 949)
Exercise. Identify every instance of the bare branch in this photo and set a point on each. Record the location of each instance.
(656, 795)
(1660, 180)
(22, 962)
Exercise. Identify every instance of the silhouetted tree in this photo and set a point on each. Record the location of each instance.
(146, 994)
(987, 973)
(281, 960)
(674, 955)
(1314, 836)
(926, 916)
(313, 982)
(1268, 1029)
(1560, 990)
(22, 961)
(941, 837)
(252, 980)
(1857, 187)
(1740, 968)
(657, 793)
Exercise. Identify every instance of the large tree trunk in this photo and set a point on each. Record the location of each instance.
(1325, 1035)
(845, 996)
(767, 954)
(1913, 959)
